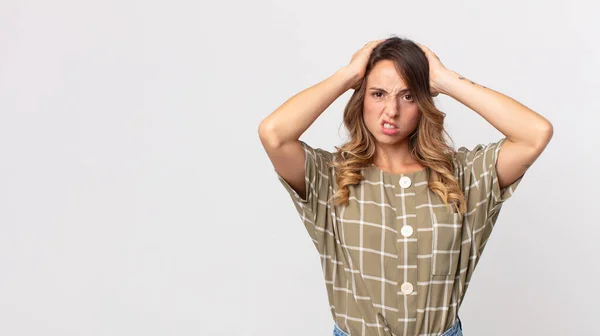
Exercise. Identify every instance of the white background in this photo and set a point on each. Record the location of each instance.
(136, 198)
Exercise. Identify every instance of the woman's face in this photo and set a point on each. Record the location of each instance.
(386, 100)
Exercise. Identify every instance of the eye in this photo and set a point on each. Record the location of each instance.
(409, 96)
(375, 94)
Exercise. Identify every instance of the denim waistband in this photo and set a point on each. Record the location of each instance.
(455, 330)
(337, 331)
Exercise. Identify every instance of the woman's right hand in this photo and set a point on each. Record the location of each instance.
(358, 63)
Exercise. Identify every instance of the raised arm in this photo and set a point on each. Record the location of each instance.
(280, 131)
(527, 132)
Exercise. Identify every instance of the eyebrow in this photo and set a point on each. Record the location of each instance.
(380, 89)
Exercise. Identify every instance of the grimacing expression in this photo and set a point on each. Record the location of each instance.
(388, 100)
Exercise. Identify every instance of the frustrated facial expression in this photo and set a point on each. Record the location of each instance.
(387, 99)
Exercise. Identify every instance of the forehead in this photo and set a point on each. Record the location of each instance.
(385, 76)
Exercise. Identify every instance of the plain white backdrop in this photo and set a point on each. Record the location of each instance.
(136, 198)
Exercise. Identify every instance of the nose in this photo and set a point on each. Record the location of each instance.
(391, 107)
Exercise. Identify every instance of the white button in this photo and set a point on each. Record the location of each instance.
(405, 182)
(407, 288)
(407, 230)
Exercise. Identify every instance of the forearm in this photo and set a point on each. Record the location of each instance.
(294, 117)
(517, 122)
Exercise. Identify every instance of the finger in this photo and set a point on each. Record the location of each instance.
(376, 42)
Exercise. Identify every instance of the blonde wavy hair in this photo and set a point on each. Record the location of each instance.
(426, 143)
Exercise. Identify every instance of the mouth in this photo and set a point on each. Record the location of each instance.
(387, 130)
(393, 126)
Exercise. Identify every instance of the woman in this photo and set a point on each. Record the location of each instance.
(399, 217)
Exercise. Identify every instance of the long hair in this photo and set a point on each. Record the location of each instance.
(426, 144)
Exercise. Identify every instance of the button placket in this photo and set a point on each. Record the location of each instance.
(407, 230)
(405, 182)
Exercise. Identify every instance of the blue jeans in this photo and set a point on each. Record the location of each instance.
(455, 330)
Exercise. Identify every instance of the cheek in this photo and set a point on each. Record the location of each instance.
(411, 112)
(371, 117)
(372, 109)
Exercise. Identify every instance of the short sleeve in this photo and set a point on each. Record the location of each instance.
(313, 208)
(477, 170)
(477, 174)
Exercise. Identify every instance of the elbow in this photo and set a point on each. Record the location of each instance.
(267, 135)
(545, 133)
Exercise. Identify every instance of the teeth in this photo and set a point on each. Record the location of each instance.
(386, 125)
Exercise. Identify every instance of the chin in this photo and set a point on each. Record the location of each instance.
(390, 140)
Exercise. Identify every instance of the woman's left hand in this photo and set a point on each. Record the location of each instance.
(436, 69)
